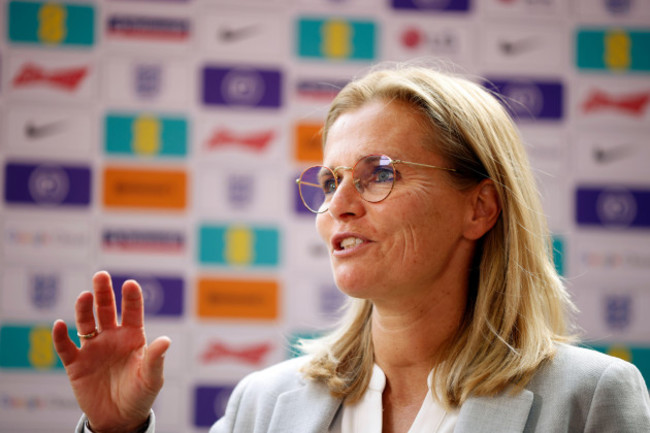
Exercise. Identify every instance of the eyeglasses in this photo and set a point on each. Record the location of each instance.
(373, 177)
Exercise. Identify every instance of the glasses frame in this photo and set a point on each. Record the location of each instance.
(336, 170)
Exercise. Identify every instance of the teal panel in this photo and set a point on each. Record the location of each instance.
(51, 24)
(30, 347)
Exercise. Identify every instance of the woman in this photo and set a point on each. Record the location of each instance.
(457, 317)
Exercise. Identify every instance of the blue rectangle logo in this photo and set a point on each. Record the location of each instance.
(51, 24)
(242, 86)
(336, 39)
(527, 99)
(145, 135)
(613, 207)
(163, 295)
(238, 245)
(47, 184)
(614, 49)
(210, 404)
(435, 5)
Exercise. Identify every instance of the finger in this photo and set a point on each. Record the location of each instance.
(132, 305)
(84, 316)
(154, 362)
(63, 345)
(104, 301)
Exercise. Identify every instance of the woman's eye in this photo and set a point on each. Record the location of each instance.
(328, 185)
(384, 175)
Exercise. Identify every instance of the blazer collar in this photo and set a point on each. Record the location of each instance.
(505, 413)
(309, 409)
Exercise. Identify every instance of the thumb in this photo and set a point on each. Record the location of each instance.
(153, 362)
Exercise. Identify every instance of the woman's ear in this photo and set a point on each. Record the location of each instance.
(484, 208)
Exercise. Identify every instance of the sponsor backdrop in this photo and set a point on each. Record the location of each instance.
(160, 140)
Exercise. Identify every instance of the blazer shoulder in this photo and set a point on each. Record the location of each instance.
(590, 387)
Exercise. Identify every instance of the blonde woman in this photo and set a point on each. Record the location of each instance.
(457, 317)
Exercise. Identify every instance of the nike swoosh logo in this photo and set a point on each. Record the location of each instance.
(513, 48)
(612, 154)
(35, 131)
(233, 34)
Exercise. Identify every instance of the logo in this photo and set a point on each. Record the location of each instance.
(145, 188)
(163, 296)
(437, 41)
(613, 49)
(241, 190)
(324, 90)
(610, 154)
(30, 347)
(517, 47)
(530, 100)
(143, 240)
(237, 86)
(622, 259)
(210, 404)
(44, 290)
(51, 24)
(34, 131)
(67, 79)
(252, 354)
(618, 6)
(255, 141)
(230, 34)
(47, 184)
(308, 145)
(613, 207)
(336, 39)
(618, 311)
(147, 80)
(145, 135)
(238, 245)
(433, 5)
(150, 28)
(237, 299)
(633, 104)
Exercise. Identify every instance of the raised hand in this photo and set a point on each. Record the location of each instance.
(114, 375)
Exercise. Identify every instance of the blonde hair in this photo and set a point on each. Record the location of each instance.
(517, 303)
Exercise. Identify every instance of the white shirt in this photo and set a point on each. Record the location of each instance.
(366, 415)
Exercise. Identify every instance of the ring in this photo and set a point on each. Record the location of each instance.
(88, 336)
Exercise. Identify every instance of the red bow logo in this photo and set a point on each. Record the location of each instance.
(251, 355)
(67, 79)
(257, 141)
(632, 104)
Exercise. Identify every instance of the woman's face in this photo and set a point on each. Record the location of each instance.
(412, 241)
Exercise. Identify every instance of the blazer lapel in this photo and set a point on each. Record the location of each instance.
(309, 409)
(505, 413)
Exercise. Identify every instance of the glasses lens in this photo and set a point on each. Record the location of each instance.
(315, 185)
(374, 176)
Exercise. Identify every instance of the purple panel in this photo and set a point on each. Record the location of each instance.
(240, 86)
(163, 296)
(47, 184)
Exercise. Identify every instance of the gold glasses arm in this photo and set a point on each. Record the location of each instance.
(398, 161)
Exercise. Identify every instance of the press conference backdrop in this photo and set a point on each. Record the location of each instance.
(160, 140)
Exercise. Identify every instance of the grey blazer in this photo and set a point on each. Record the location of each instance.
(579, 391)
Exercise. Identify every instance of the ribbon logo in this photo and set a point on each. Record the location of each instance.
(256, 141)
(634, 104)
(251, 355)
(67, 79)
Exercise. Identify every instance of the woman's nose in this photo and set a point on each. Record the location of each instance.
(346, 200)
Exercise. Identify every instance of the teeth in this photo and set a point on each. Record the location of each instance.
(350, 242)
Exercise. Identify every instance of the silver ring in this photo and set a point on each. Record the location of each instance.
(88, 336)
